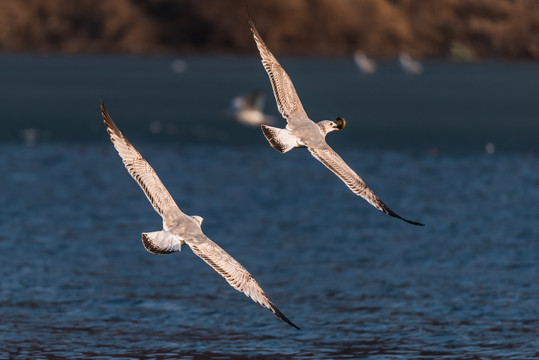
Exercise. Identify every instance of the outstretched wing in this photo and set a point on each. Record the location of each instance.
(287, 99)
(139, 169)
(233, 272)
(335, 163)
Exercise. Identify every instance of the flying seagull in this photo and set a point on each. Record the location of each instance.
(301, 131)
(247, 109)
(366, 65)
(180, 229)
(409, 65)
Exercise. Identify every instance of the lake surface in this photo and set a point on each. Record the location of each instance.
(76, 282)
(452, 107)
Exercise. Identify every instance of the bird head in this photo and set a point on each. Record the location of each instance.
(327, 126)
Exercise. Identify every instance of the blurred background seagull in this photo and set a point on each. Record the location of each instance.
(180, 229)
(247, 109)
(409, 65)
(366, 65)
(301, 131)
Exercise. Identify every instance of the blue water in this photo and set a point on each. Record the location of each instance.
(76, 282)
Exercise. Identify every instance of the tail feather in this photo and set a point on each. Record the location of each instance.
(280, 139)
(161, 242)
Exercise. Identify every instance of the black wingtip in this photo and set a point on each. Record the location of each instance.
(392, 213)
(281, 316)
(252, 25)
(107, 120)
(413, 222)
(104, 112)
(250, 19)
(102, 106)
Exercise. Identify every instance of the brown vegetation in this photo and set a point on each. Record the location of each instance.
(461, 28)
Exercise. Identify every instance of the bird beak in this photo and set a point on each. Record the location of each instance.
(339, 123)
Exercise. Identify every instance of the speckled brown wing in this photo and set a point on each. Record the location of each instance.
(335, 163)
(139, 169)
(287, 99)
(233, 272)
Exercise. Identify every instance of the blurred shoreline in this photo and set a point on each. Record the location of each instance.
(456, 29)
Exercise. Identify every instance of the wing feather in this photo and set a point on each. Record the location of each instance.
(335, 163)
(139, 168)
(234, 273)
(288, 102)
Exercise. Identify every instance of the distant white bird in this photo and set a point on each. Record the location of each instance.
(301, 131)
(247, 109)
(29, 136)
(366, 65)
(410, 66)
(490, 148)
(180, 229)
(178, 66)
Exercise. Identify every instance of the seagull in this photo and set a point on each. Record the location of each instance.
(247, 109)
(366, 65)
(180, 229)
(301, 131)
(410, 66)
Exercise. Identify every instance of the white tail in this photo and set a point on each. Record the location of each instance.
(280, 139)
(161, 242)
